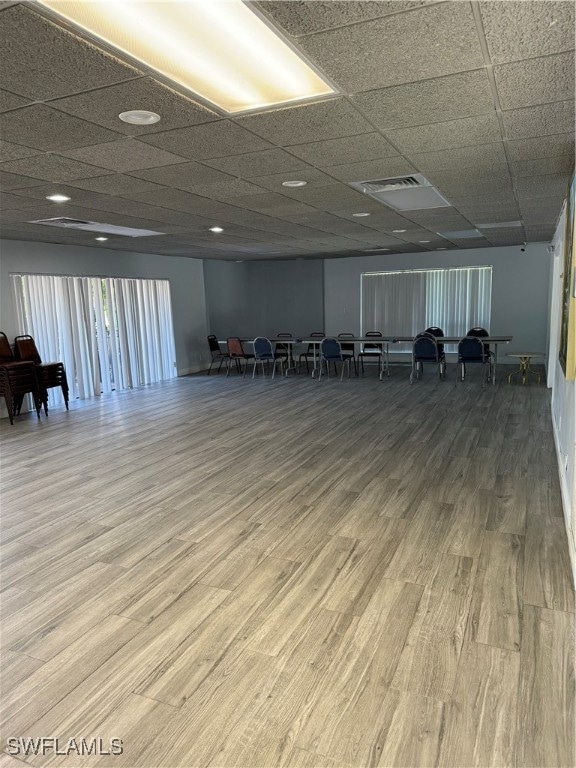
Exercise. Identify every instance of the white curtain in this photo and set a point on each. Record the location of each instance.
(405, 303)
(112, 333)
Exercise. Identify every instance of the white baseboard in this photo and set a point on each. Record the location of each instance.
(566, 502)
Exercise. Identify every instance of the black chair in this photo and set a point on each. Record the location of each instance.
(217, 353)
(236, 352)
(283, 351)
(425, 350)
(438, 333)
(479, 333)
(471, 350)
(311, 350)
(264, 354)
(348, 349)
(331, 352)
(50, 375)
(371, 351)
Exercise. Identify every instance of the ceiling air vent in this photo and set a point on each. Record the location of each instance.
(403, 193)
(95, 226)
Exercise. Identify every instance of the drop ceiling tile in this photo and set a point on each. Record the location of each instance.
(495, 173)
(438, 219)
(518, 30)
(103, 106)
(312, 176)
(399, 49)
(489, 214)
(539, 121)
(14, 181)
(352, 149)
(544, 165)
(496, 240)
(541, 186)
(11, 101)
(9, 151)
(40, 193)
(371, 169)
(535, 81)
(42, 127)
(185, 175)
(531, 149)
(29, 46)
(272, 205)
(479, 156)
(50, 167)
(328, 119)
(428, 101)
(341, 195)
(179, 200)
(264, 163)
(15, 202)
(453, 188)
(225, 189)
(116, 184)
(199, 142)
(126, 154)
(303, 18)
(466, 132)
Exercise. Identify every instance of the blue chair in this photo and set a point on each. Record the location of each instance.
(331, 352)
(264, 354)
(425, 349)
(471, 350)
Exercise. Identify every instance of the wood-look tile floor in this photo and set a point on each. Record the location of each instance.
(223, 572)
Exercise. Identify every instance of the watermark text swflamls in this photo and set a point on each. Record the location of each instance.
(50, 745)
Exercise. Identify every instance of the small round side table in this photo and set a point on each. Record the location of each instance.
(525, 370)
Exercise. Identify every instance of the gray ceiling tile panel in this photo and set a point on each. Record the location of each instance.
(304, 17)
(399, 49)
(29, 47)
(328, 119)
(11, 101)
(539, 121)
(103, 106)
(522, 30)
(42, 127)
(529, 149)
(312, 176)
(536, 81)
(14, 181)
(371, 169)
(116, 184)
(544, 165)
(540, 186)
(207, 141)
(352, 149)
(480, 156)
(251, 164)
(52, 168)
(466, 132)
(9, 151)
(185, 175)
(428, 101)
(124, 155)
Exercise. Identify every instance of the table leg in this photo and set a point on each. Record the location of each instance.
(495, 363)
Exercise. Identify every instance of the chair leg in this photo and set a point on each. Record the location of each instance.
(210, 368)
(254, 368)
(274, 369)
(320, 373)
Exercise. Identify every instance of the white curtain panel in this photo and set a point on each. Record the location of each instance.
(111, 334)
(406, 303)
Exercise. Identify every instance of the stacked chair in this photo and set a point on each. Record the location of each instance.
(17, 379)
(49, 375)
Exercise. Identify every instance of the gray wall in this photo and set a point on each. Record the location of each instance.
(264, 297)
(186, 278)
(519, 289)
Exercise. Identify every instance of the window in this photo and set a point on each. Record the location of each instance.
(405, 303)
(110, 333)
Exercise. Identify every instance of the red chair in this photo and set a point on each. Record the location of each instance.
(17, 379)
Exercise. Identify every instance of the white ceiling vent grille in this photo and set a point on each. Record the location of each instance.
(95, 226)
(403, 193)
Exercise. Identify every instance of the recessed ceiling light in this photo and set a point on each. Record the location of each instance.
(423, 241)
(440, 249)
(224, 52)
(101, 239)
(294, 183)
(399, 230)
(216, 229)
(139, 117)
(58, 198)
(359, 215)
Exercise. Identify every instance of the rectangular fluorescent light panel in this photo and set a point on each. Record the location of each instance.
(500, 225)
(220, 50)
(462, 234)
